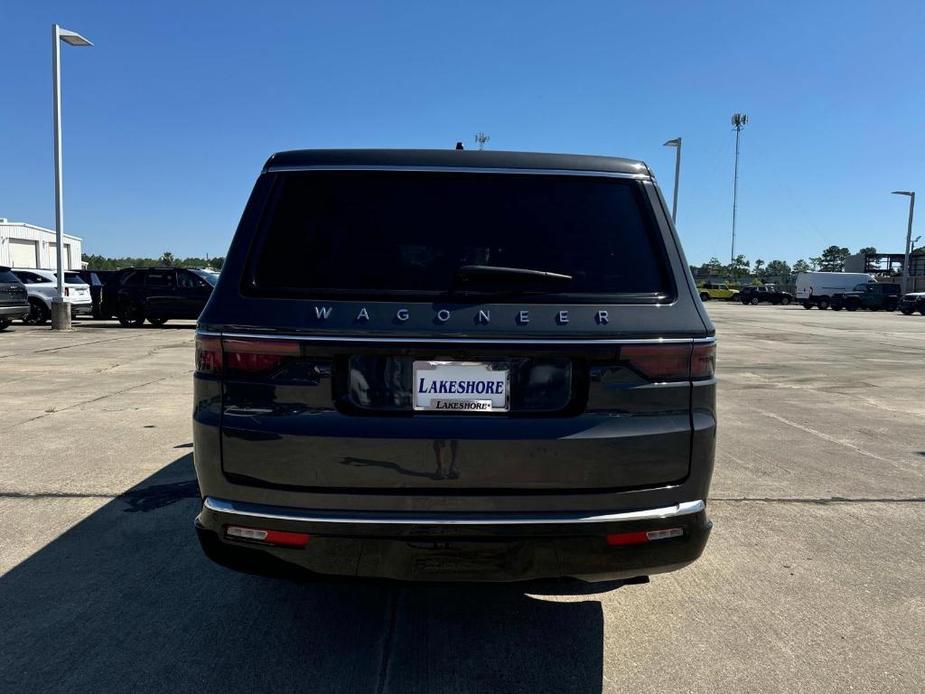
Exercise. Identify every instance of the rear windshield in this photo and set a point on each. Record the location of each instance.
(73, 278)
(7, 276)
(407, 234)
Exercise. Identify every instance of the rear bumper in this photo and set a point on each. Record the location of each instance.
(14, 311)
(455, 547)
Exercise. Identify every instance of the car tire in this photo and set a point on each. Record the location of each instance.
(38, 313)
(852, 307)
(838, 307)
(785, 300)
(807, 305)
(753, 301)
(906, 311)
(157, 322)
(5, 323)
(131, 315)
(823, 304)
(704, 296)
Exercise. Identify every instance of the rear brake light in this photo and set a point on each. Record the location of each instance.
(209, 355)
(242, 356)
(671, 362)
(703, 361)
(642, 536)
(270, 537)
(246, 356)
(67, 291)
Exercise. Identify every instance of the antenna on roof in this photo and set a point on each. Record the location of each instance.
(459, 145)
(480, 139)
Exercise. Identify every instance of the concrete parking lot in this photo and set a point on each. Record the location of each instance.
(813, 580)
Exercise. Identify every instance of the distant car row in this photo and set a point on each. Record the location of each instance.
(132, 295)
(823, 290)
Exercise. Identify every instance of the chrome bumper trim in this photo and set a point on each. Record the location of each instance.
(246, 510)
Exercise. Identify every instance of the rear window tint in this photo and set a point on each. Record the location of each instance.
(404, 233)
(7, 276)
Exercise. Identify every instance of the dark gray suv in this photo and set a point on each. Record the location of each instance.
(454, 365)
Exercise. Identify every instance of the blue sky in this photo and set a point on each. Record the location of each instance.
(168, 119)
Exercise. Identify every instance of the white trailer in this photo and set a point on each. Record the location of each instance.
(818, 288)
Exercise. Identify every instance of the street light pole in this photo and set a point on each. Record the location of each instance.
(906, 275)
(738, 122)
(60, 311)
(676, 143)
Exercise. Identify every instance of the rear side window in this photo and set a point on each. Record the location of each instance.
(134, 279)
(408, 233)
(7, 276)
(157, 278)
(73, 278)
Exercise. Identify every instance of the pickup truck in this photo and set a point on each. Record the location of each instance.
(870, 295)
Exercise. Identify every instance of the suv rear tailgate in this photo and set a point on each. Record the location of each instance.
(581, 418)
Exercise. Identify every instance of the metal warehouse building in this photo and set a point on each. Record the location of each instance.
(26, 245)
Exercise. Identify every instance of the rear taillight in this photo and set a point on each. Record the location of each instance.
(703, 361)
(208, 355)
(242, 357)
(67, 291)
(671, 362)
(256, 357)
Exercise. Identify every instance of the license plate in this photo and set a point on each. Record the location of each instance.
(461, 386)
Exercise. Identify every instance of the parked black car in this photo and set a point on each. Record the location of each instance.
(14, 302)
(159, 294)
(871, 296)
(766, 293)
(392, 381)
(914, 301)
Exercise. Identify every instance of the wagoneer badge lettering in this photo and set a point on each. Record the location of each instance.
(482, 316)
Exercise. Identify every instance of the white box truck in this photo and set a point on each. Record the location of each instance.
(818, 288)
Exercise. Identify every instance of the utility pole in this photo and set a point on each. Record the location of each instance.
(60, 309)
(676, 143)
(906, 270)
(739, 120)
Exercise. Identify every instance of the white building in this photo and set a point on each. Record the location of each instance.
(26, 245)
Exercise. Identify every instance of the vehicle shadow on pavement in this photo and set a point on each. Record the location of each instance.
(125, 601)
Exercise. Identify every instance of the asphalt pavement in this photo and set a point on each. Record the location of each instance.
(813, 580)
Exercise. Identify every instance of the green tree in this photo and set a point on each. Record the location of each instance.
(711, 267)
(815, 262)
(738, 268)
(802, 266)
(167, 259)
(777, 268)
(867, 249)
(759, 263)
(833, 259)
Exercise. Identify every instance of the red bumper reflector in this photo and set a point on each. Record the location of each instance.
(270, 537)
(638, 538)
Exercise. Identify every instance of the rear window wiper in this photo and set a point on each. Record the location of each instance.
(492, 272)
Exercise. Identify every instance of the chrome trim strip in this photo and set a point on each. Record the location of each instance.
(244, 510)
(642, 176)
(464, 340)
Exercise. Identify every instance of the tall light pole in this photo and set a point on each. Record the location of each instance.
(738, 122)
(60, 311)
(676, 143)
(906, 275)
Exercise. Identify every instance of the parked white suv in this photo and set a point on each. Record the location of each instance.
(42, 287)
